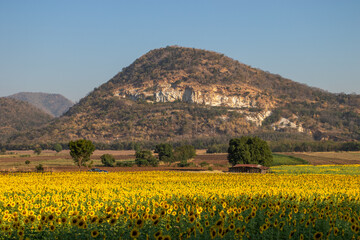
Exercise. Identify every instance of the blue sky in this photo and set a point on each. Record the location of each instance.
(72, 47)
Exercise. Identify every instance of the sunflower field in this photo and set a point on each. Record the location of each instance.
(179, 205)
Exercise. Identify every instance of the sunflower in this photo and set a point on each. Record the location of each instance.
(192, 219)
(158, 234)
(93, 219)
(63, 220)
(101, 220)
(219, 223)
(52, 228)
(94, 233)
(51, 217)
(231, 227)
(74, 221)
(81, 223)
(20, 233)
(154, 217)
(112, 221)
(318, 235)
(213, 233)
(167, 237)
(134, 233)
(167, 226)
(292, 233)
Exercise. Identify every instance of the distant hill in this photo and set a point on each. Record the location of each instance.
(54, 104)
(177, 93)
(17, 116)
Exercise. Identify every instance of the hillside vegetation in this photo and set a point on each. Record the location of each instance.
(54, 104)
(17, 116)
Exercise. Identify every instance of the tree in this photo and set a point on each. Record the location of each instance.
(249, 150)
(108, 160)
(80, 151)
(183, 153)
(145, 158)
(165, 152)
(3, 150)
(57, 147)
(37, 150)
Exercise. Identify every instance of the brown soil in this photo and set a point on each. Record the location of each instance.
(328, 158)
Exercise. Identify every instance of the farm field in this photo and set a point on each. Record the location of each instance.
(178, 205)
(325, 158)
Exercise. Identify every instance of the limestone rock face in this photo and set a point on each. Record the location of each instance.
(212, 96)
(286, 123)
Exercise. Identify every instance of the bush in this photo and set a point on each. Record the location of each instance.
(39, 168)
(249, 150)
(145, 158)
(125, 164)
(165, 152)
(37, 150)
(108, 160)
(27, 162)
(203, 164)
(3, 151)
(185, 152)
(218, 148)
(57, 147)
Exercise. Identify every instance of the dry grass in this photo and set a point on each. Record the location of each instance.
(62, 161)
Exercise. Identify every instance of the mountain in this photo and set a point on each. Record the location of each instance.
(177, 93)
(54, 104)
(17, 116)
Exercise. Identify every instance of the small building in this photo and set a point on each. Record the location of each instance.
(249, 168)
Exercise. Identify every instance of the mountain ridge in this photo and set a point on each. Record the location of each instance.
(181, 93)
(52, 103)
(17, 116)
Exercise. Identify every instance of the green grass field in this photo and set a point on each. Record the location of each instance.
(319, 169)
(280, 159)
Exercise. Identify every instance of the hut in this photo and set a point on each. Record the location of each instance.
(249, 168)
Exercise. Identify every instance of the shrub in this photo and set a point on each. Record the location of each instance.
(218, 148)
(203, 164)
(108, 160)
(165, 152)
(125, 164)
(185, 152)
(37, 150)
(39, 168)
(145, 158)
(27, 162)
(57, 147)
